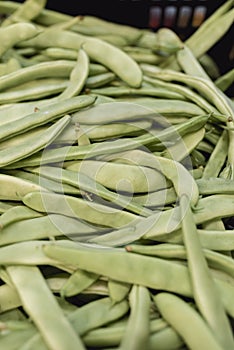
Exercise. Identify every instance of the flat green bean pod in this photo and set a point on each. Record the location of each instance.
(26, 12)
(12, 188)
(10, 66)
(135, 178)
(33, 145)
(13, 34)
(137, 330)
(88, 186)
(77, 282)
(78, 208)
(55, 69)
(118, 291)
(225, 80)
(197, 337)
(44, 115)
(52, 324)
(209, 303)
(45, 183)
(41, 89)
(45, 227)
(17, 213)
(100, 51)
(176, 251)
(78, 76)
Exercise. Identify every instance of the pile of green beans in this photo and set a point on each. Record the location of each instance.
(116, 184)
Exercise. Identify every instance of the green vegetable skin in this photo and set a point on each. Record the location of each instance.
(116, 184)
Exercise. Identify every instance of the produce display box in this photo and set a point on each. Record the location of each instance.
(116, 176)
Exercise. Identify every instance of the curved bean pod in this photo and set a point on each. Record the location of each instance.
(205, 294)
(44, 115)
(15, 33)
(25, 149)
(178, 313)
(98, 50)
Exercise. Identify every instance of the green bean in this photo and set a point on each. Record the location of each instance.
(59, 53)
(210, 66)
(166, 107)
(12, 35)
(118, 291)
(216, 224)
(26, 12)
(178, 313)
(111, 336)
(157, 199)
(88, 317)
(113, 130)
(209, 304)
(191, 95)
(217, 157)
(225, 81)
(50, 319)
(17, 213)
(36, 257)
(113, 39)
(19, 337)
(10, 66)
(216, 240)
(184, 146)
(215, 186)
(45, 183)
(111, 112)
(140, 57)
(44, 115)
(121, 177)
(78, 76)
(98, 288)
(5, 206)
(45, 227)
(78, 208)
(40, 89)
(56, 284)
(175, 251)
(205, 87)
(98, 50)
(211, 30)
(172, 170)
(77, 282)
(166, 339)
(56, 69)
(204, 146)
(189, 64)
(86, 184)
(99, 80)
(65, 25)
(137, 330)
(90, 25)
(144, 90)
(9, 298)
(96, 314)
(168, 41)
(14, 189)
(33, 145)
